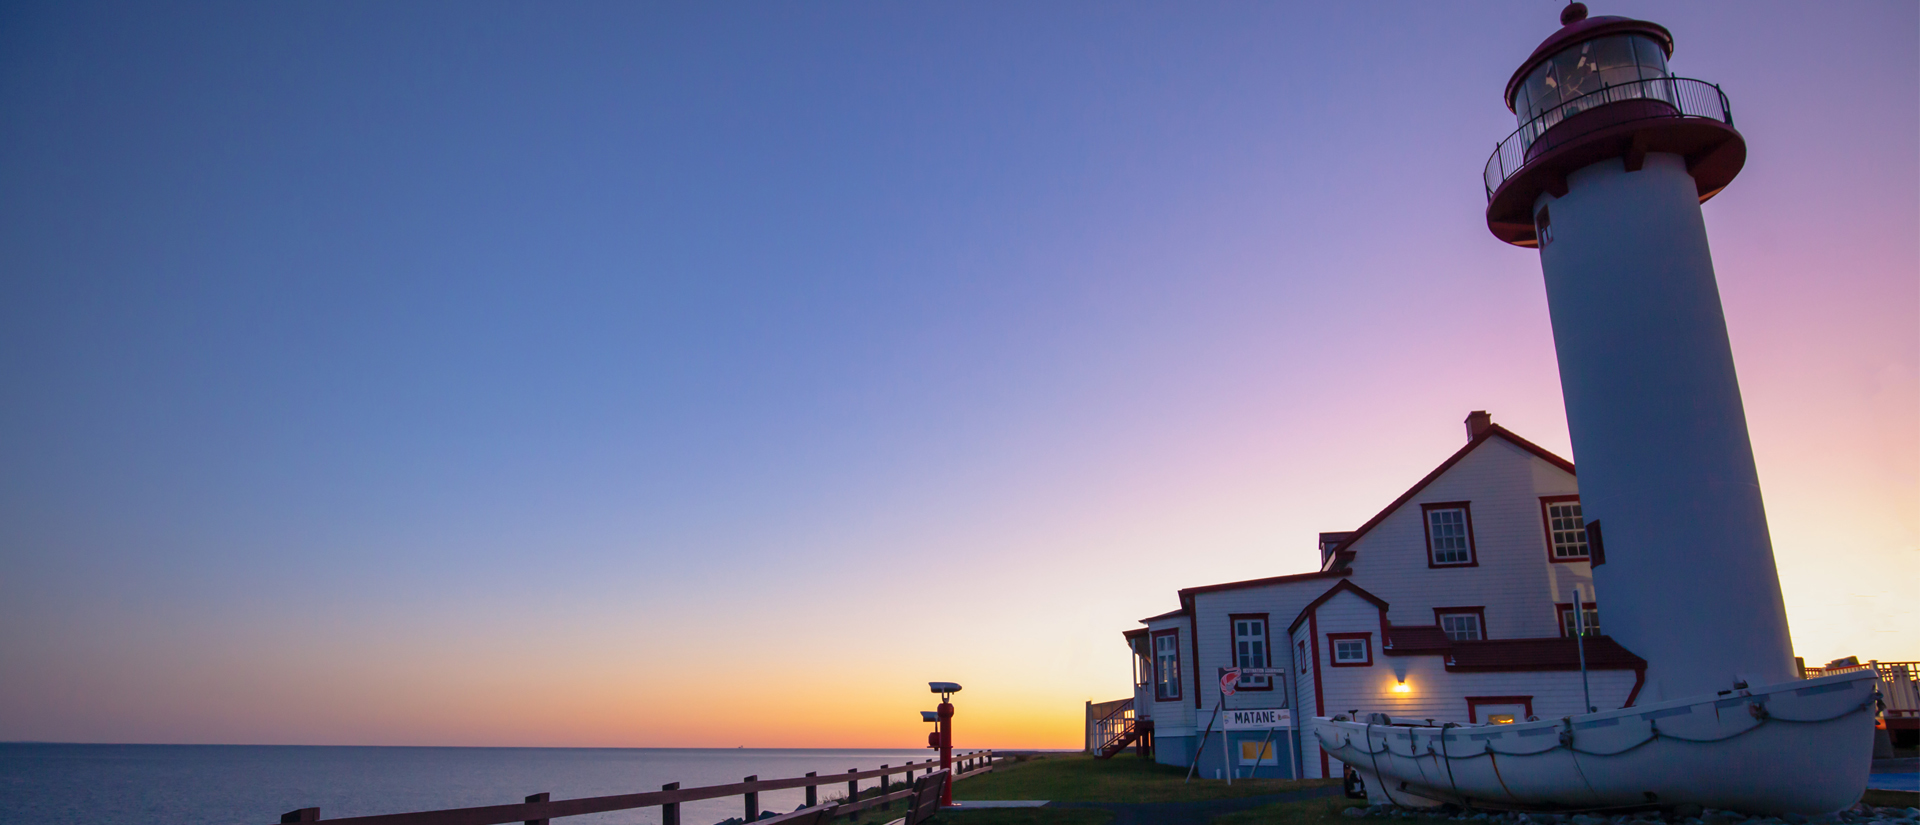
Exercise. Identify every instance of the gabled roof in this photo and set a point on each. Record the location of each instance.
(1189, 592)
(1345, 586)
(1134, 633)
(1492, 431)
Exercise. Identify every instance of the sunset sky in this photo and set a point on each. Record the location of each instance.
(717, 374)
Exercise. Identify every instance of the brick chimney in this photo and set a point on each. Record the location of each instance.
(1477, 422)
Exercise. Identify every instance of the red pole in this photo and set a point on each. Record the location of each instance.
(946, 751)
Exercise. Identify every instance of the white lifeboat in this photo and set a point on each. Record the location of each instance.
(1797, 747)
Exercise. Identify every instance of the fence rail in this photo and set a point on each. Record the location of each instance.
(538, 808)
(1671, 97)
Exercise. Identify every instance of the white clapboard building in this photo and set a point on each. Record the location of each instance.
(1455, 603)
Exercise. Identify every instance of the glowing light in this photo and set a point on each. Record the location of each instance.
(1402, 687)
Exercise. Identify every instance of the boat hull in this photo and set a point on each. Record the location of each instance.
(1798, 747)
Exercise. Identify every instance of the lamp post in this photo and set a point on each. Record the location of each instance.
(943, 738)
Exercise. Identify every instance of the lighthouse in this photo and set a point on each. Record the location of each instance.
(1605, 177)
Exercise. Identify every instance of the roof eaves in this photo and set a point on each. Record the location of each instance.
(1167, 615)
(1189, 592)
(1345, 585)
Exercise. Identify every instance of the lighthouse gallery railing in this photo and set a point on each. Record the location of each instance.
(1686, 96)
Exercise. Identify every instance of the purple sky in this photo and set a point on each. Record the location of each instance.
(506, 374)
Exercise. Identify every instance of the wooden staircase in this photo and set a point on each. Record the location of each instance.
(1121, 729)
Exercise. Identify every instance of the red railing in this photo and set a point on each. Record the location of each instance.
(538, 808)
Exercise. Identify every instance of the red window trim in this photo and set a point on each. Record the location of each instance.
(1546, 524)
(1334, 661)
(1233, 648)
(1301, 646)
(1319, 693)
(1560, 614)
(1480, 611)
(1474, 703)
(1153, 647)
(1426, 529)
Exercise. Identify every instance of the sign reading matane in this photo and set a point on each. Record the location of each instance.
(1257, 718)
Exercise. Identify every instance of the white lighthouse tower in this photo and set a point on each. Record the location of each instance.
(1605, 177)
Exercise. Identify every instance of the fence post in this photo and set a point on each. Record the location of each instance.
(909, 772)
(539, 797)
(813, 792)
(853, 787)
(885, 806)
(302, 815)
(753, 799)
(670, 812)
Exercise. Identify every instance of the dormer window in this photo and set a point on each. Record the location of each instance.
(1449, 534)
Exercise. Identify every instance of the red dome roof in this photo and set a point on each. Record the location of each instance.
(1586, 29)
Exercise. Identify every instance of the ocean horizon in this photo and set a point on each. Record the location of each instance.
(51, 783)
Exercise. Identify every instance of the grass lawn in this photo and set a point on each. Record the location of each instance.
(1124, 778)
(1311, 812)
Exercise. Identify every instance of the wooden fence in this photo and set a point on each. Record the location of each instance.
(538, 808)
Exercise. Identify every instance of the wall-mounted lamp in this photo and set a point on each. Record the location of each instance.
(1401, 687)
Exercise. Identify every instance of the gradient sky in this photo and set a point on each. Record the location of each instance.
(717, 374)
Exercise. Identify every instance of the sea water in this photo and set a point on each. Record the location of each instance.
(55, 784)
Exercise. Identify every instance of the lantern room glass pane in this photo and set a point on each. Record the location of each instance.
(1614, 64)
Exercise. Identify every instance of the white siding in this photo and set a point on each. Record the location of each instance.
(1514, 580)
(1173, 717)
(1309, 745)
(1434, 693)
(1282, 603)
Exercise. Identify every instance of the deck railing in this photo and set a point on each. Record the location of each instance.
(1113, 726)
(539, 808)
(1684, 97)
(1900, 684)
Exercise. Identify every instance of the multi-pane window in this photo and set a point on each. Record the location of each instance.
(1351, 649)
(1166, 665)
(1566, 529)
(1462, 627)
(1250, 650)
(1449, 535)
(1590, 615)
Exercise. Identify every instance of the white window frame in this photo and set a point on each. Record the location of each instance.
(1251, 649)
(1445, 536)
(1479, 631)
(1592, 619)
(1566, 530)
(1365, 656)
(1166, 667)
